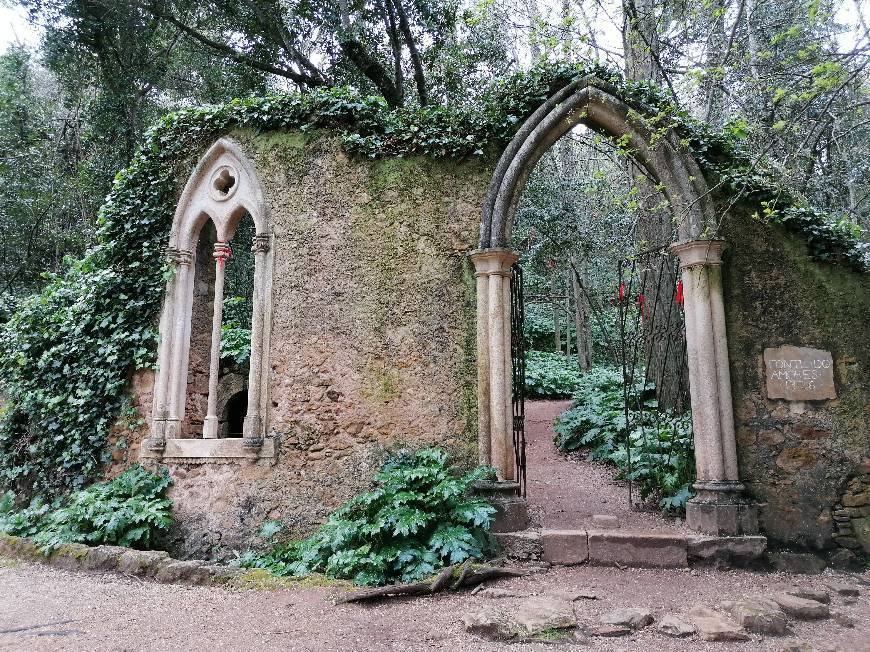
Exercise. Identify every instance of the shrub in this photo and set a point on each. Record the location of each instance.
(418, 518)
(551, 375)
(127, 511)
(650, 448)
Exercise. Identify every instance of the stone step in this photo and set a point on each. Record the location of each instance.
(635, 549)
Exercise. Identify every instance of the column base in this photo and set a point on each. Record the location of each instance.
(511, 509)
(211, 428)
(722, 509)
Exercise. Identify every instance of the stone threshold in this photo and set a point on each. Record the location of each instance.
(634, 549)
(154, 565)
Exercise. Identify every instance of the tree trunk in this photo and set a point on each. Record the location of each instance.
(581, 321)
(557, 330)
(663, 363)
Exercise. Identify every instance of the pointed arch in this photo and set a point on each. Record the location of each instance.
(206, 194)
(596, 104)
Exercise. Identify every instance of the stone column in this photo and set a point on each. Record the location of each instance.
(221, 253)
(162, 425)
(720, 506)
(175, 392)
(494, 373)
(253, 429)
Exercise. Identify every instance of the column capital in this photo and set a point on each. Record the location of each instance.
(222, 250)
(698, 252)
(176, 256)
(493, 261)
(260, 244)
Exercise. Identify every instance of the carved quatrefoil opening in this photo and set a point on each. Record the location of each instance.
(223, 183)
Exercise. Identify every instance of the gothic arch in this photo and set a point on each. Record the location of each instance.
(594, 103)
(719, 507)
(223, 187)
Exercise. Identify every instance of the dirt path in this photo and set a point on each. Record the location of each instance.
(47, 609)
(564, 493)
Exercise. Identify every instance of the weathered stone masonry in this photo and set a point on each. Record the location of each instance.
(372, 328)
(371, 336)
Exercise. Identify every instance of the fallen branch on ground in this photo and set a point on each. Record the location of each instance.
(451, 578)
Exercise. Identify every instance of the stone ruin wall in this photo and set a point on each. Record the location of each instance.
(372, 338)
(802, 460)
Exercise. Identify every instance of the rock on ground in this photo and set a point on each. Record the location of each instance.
(757, 616)
(539, 614)
(633, 618)
(488, 622)
(673, 625)
(713, 626)
(801, 607)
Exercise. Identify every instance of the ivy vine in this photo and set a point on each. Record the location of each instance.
(67, 352)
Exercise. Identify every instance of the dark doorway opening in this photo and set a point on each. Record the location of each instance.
(237, 407)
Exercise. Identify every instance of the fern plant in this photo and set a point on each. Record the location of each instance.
(127, 511)
(650, 448)
(418, 518)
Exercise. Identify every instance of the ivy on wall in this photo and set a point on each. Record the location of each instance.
(66, 353)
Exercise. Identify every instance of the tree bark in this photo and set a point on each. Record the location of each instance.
(581, 320)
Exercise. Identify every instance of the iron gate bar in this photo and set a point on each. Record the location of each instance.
(630, 272)
(518, 371)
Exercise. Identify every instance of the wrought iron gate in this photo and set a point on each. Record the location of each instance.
(650, 342)
(640, 327)
(518, 367)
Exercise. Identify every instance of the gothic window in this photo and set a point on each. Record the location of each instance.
(212, 364)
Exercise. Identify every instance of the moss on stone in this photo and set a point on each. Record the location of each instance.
(262, 580)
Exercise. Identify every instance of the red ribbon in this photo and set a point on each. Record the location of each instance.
(679, 293)
(621, 291)
(640, 301)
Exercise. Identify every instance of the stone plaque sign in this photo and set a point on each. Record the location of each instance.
(797, 373)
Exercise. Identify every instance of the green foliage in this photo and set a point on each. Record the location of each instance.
(651, 449)
(538, 331)
(417, 519)
(66, 353)
(235, 336)
(127, 511)
(551, 375)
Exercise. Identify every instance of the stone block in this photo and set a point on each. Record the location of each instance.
(511, 515)
(800, 607)
(8, 544)
(638, 549)
(726, 551)
(520, 545)
(565, 547)
(542, 613)
(673, 625)
(713, 626)
(192, 571)
(489, 622)
(69, 556)
(803, 563)
(722, 519)
(757, 616)
(103, 557)
(633, 618)
(861, 527)
(141, 562)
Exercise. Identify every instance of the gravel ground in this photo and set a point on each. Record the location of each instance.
(42, 608)
(563, 493)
